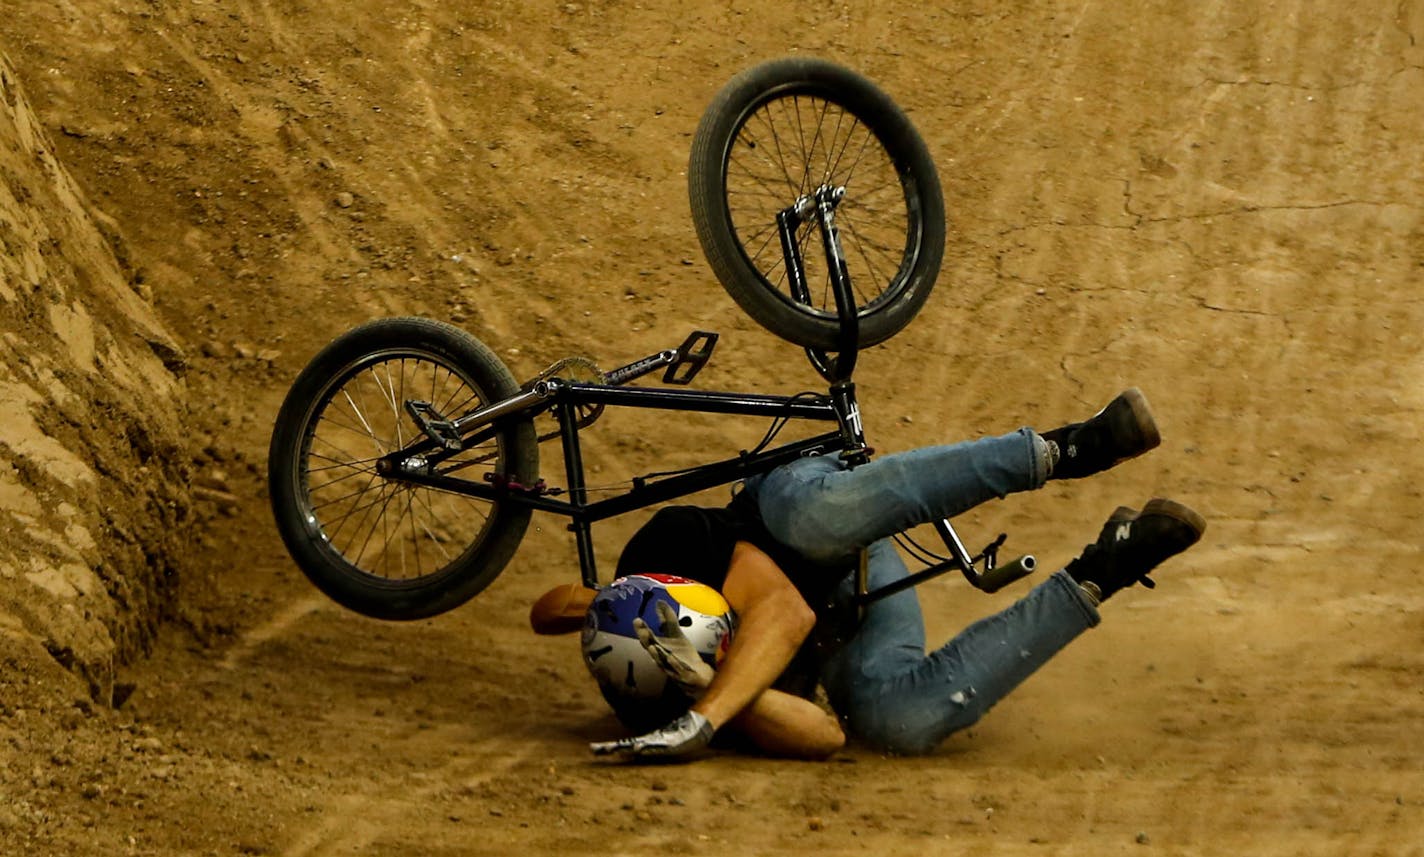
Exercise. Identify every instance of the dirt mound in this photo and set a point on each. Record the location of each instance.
(1216, 202)
(92, 465)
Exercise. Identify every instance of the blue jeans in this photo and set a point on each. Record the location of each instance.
(882, 683)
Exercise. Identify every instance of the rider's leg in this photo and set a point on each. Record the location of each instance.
(907, 702)
(898, 698)
(827, 512)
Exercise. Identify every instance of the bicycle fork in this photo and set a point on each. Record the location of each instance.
(821, 207)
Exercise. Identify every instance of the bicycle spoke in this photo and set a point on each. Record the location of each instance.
(866, 140)
(761, 194)
(792, 138)
(352, 470)
(844, 146)
(769, 241)
(835, 136)
(805, 186)
(385, 501)
(414, 536)
(334, 534)
(396, 416)
(331, 462)
(394, 550)
(753, 151)
(865, 257)
(350, 427)
(777, 148)
(357, 412)
(342, 498)
(435, 514)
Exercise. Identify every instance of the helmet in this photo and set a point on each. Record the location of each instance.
(632, 682)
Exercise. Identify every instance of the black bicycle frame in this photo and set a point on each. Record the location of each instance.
(418, 462)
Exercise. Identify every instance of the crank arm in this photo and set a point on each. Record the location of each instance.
(682, 363)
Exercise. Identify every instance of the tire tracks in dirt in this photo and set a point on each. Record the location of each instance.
(351, 813)
(249, 641)
(354, 821)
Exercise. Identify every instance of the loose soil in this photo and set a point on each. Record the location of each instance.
(1218, 202)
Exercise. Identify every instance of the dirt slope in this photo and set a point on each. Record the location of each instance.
(93, 487)
(1217, 202)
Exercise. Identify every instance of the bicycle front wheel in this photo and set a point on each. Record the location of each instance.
(774, 135)
(384, 547)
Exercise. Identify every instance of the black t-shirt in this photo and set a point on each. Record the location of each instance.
(697, 542)
(688, 541)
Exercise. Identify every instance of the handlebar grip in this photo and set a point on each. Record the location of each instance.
(1000, 576)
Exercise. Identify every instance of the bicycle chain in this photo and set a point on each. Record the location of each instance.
(584, 371)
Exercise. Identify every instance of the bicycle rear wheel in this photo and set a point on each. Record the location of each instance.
(387, 548)
(775, 134)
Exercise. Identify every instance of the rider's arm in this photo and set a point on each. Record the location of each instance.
(772, 622)
(782, 724)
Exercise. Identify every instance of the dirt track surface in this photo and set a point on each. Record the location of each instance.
(1217, 202)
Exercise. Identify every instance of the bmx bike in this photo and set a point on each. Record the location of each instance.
(404, 461)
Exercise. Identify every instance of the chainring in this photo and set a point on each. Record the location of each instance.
(580, 370)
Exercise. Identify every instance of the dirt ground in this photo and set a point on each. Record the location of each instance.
(1218, 202)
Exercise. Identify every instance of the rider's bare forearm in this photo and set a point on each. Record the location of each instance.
(784, 725)
(768, 635)
(772, 622)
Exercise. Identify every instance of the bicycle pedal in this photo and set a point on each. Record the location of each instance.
(434, 425)
(691, 356)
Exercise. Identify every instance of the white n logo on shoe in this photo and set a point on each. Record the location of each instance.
(1124, 531)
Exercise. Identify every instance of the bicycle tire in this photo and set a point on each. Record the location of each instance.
(735, 191)
(334, 512)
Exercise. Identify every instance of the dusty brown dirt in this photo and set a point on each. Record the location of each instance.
(1218, 202)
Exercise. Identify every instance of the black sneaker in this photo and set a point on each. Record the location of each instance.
(1133, 543)
(1122, 430)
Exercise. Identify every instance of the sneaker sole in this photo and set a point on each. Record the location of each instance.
(1173, 509)
(1146, 425)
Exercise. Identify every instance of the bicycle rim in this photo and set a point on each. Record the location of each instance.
(394, 532)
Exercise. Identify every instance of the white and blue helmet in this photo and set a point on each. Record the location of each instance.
(632, 682)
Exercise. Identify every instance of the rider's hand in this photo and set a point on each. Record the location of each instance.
(674, 653)
(684, 736)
